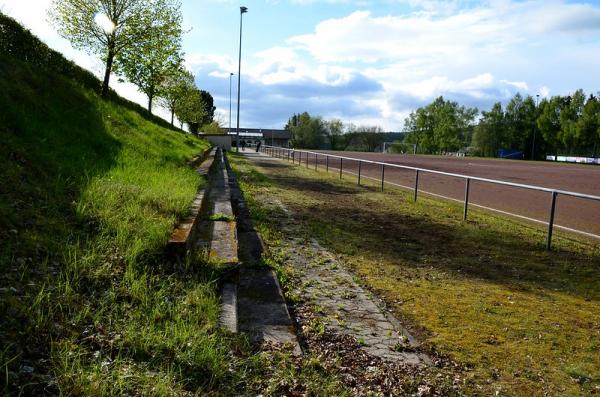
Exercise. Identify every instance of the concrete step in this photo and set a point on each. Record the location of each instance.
(217, 230)
(229, 315)
(183, 236)
(262, 312)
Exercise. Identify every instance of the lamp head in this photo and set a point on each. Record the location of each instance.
(243, 10)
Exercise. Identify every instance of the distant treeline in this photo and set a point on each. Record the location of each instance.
(568, 125)
(563, 125)
(18, 43)
(313, 132)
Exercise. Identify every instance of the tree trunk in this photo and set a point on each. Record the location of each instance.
(172, 117)
(109, 63)
(150, 104)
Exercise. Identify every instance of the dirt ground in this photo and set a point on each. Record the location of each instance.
(575, 213)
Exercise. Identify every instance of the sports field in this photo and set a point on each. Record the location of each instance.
(572, 213)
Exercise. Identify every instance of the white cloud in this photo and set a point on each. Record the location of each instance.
(520, 85)
(362, 37)
(373, 67)
(544, 92)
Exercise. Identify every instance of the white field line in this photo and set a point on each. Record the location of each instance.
(472, 204)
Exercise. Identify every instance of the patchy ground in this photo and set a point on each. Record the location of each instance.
(341, 305)
(343, 328)
(516, 319)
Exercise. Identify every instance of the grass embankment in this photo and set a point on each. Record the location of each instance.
(90, 192)
(484, 292)
(89, 305)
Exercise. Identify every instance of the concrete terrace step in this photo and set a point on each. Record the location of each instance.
(196, 161)
(218, 233)
(182, 238)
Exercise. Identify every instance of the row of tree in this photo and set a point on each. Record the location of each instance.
(313, 132)
(141, 41)
(559, 125)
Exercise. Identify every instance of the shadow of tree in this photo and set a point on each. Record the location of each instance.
(391, 229)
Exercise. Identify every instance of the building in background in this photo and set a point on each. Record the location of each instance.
(251, 136)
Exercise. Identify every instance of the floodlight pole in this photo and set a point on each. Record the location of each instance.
(537, 100)
(243, 10)
(230, 74)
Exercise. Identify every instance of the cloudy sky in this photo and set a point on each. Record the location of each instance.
(372, 62)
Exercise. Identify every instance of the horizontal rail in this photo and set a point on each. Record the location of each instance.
(511, 214)
(280, 152)
(451, 174)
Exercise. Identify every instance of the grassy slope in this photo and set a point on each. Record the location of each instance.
(89, 195)
(484, 292)
(88, 303)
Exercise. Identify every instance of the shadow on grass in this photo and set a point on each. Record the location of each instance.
(393, 230)
(55, 140)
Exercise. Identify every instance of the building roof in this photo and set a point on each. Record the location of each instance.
(265, 133)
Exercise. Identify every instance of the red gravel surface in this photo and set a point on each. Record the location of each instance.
(575, 213)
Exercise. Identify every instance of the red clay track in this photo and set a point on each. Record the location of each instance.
(571, 212)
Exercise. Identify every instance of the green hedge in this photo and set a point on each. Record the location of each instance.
(19, 43)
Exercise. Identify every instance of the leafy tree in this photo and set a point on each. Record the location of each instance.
(369, 137)
(150, 62)
(192, 110)
(440, 126)
(520, 123)
(333, 129)
(295, 120)
(174, 88)
(209, 108)
(548, 121)
(213, 128)
(571, 110)
(307, 132)
(105, 27)
(488, 134)
(588, 125)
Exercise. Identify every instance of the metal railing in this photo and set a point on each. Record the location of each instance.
(294, 155)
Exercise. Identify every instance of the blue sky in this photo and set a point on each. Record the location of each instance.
(372, 62)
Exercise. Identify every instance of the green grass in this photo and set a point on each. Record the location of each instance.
(221, 217)
(524, 321)
(89, 303)
(90, 194)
